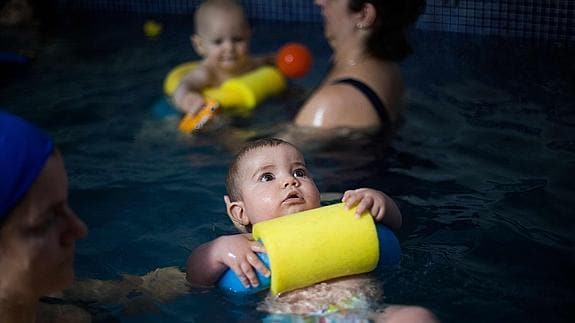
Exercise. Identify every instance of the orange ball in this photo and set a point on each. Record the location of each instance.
(294, 60)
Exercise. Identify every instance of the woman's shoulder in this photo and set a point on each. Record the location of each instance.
(385, 80)
(337, 104)
(378, 74)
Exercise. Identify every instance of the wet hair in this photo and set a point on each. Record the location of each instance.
(388, 39)
(221, 5)
(232, 179)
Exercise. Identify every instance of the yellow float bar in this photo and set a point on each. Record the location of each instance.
(240, 93)
(309, 247)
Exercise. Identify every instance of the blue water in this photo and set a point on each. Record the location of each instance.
(483, 166)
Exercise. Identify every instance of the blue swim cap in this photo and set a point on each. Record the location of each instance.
(24, 150)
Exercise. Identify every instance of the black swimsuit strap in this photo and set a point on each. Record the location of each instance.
(371, 96)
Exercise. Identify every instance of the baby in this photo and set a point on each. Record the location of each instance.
(222, 36)
(269, 179)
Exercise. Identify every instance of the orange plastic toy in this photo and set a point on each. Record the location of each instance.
(191, 122)
(294, 60)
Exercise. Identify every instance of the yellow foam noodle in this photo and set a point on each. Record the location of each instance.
(247, 91)
(309, 247)
(242, 93)
(174, 77)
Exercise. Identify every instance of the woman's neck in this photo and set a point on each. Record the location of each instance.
(351, 55)
(350, 52)
(17, 312)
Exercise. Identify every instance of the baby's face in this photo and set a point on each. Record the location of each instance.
(225, 40)
(275, 182)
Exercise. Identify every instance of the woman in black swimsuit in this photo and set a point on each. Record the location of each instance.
(363, 89)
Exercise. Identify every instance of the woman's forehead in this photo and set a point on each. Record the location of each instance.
(51, 186)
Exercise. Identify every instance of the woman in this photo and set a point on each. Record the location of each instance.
(38, 229)
(364, 88)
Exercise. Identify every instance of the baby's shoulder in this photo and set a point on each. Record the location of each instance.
(201, 74)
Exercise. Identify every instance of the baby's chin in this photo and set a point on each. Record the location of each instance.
(294, 208)
(232, 66)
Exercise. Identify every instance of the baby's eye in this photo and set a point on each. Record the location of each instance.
(218, 41)
(237, 39)
(300, 172)
(266, 177)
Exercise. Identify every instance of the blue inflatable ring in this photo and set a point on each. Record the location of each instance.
(389, 256)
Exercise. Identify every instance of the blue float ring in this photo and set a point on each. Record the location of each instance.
(389, 256)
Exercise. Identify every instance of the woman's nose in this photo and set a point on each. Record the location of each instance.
(75, 227)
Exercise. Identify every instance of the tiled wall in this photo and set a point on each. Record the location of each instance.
(541, 20)
(534, 19)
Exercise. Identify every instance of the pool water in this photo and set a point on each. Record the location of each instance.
(482, 168)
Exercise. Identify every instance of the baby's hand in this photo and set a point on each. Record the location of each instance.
(238, 253)
(189, 102)
(366, 199)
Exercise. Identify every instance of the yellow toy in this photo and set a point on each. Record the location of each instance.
(317, 245)
(152, 28)
(241, 93)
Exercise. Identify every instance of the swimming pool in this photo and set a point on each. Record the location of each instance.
(482, 167)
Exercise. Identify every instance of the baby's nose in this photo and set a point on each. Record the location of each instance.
(228, 45)
(291, 181)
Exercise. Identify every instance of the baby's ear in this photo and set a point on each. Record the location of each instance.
(237, 214)
(197, 44)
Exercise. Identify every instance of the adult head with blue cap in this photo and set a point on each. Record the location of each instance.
(38, 229)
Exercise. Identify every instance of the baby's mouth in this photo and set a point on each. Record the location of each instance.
(293, 197)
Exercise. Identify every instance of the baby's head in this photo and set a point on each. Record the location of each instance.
(222, 34)
(268, 179)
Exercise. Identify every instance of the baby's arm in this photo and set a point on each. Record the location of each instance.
(209, 261)
(187, 97)
(382, 207)
(266, 59)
